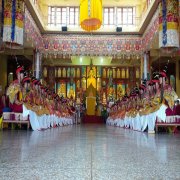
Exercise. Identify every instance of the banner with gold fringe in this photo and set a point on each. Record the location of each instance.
(168, 24)
(13, 21)
(90, 14)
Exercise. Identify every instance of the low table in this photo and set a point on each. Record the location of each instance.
(16, 122)
(173, 125)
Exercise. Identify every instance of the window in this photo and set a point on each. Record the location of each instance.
(60, 16)
(125, 15)
(119, 16)
(73, 15)
(51, 15)
(108, 16)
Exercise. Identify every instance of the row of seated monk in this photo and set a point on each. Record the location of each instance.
(174, 111)
(7, 106)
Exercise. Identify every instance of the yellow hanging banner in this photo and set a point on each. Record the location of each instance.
(90, 14)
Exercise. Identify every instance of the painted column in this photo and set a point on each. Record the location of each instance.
(146, 65)
(142, 66)
(168, 23)
(37, 64)
(13, 22)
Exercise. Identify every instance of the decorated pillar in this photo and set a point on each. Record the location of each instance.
(13, 22)
(146, 65)
(168, 24)
(142, 66)
(37, 64)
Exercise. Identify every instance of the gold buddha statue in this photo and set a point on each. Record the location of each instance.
(91, 79)
(71, 93)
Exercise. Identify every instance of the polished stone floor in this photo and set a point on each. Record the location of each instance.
(88, 152)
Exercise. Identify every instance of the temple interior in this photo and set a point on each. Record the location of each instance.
(89, 89)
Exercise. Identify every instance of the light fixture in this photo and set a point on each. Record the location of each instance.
(101, 60)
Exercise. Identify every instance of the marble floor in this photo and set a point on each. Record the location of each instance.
(88, 152)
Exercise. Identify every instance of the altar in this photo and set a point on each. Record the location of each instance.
(91, 100)
(91, 106)
(91, 112)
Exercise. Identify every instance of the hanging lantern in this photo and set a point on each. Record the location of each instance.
(90, 14)
(13, 22)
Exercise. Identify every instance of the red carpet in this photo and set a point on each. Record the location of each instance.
(93, 119)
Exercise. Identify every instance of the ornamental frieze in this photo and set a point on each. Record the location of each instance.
(55, 45)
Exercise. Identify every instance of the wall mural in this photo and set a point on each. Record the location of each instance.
(32, 32)
(58, 45)
(91, 45)
(151, 31)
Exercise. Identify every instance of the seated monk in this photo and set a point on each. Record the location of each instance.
(46, 110)
(17, 105)
(176, 109)
(39, 110)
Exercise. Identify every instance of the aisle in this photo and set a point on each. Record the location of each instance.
(90, 151)
(93, 119)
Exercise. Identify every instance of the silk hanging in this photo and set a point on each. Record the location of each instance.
(168, 24)
(90, 14)
(13, 22)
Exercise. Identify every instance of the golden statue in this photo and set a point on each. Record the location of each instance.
(71, 93)
(59, 72)
(78, 72)
(111, 91)
(104, 73)
(64, 72)
(120, 91)
(62, 90)
(91, 79)
(118, 73)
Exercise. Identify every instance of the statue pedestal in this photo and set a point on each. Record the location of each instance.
(90, 105)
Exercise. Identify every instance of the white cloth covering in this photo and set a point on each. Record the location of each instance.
(45, 121)
(141, 123)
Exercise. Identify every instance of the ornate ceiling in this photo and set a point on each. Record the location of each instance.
(58, 48)
(105, 2)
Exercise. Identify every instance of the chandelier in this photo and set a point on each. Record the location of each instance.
(90, 14)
